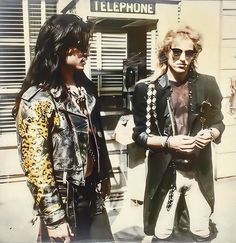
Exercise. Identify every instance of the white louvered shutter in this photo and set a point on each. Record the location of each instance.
(19, 26)
(107, 52)
(151, 50)
(12, 59)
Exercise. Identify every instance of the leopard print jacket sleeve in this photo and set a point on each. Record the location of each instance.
(33, 128)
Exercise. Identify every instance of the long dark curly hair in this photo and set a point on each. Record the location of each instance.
(59, 33)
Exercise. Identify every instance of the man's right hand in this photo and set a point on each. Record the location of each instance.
(61, 232)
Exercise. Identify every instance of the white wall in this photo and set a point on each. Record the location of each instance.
(61, 4)
(204, 16)
(168, 18)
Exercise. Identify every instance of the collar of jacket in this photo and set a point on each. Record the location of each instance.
(196, 95)
(66, 105)
(196, 92)
(30, 93)
(164, 81)
(69, 106)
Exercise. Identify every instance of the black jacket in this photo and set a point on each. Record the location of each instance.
(159, 177)
(53, 142)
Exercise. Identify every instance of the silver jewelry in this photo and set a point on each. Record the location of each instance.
(151, 108)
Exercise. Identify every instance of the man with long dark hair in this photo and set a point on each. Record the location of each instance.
(60, 139)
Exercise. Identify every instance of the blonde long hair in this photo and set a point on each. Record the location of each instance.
(186, 32)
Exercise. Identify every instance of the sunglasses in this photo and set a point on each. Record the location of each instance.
(83, 50)
(178, 52)
(81, 47)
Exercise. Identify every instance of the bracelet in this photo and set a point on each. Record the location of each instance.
(167, 143)
(162, 141)
(211, 133)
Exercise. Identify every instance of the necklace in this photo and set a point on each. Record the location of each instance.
(78, 96)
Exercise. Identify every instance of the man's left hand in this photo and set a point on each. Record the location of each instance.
(203, 138)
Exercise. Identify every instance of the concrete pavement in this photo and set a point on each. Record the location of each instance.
(16, 215)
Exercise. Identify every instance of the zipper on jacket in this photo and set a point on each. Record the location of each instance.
(96, 143)
(94, 136)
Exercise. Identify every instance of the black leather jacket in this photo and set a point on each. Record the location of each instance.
(53, 140)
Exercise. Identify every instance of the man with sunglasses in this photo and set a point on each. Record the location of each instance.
(177, 114)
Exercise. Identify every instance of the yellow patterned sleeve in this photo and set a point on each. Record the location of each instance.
(33, 123)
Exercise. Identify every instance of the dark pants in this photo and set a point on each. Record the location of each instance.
(91, 221)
